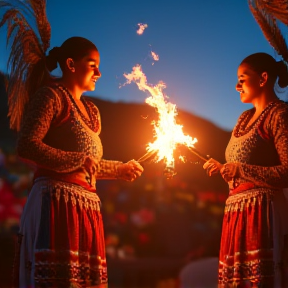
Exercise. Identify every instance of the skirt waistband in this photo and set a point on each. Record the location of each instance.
(74, 192)
(242, 187)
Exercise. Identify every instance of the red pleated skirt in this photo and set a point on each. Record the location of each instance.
(62, 238)
(252, 241)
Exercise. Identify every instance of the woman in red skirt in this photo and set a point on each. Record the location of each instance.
(61, 241)
(254, 243)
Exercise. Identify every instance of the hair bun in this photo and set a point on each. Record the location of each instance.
(281, 65)
(282, 70)
(52, 58)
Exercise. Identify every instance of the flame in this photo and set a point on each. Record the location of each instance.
(141, 28)
(168, 133)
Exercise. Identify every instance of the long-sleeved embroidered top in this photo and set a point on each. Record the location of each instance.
(57, 137)
(261, 149)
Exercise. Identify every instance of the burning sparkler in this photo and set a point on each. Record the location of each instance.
(168, 134)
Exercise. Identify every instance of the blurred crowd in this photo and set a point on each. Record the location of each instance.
(15, 181)
(156, 217)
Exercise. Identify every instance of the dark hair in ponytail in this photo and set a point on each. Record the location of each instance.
(52, 58)
(282, 69)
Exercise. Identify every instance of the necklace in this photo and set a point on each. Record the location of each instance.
(242, 128)
(92, 121)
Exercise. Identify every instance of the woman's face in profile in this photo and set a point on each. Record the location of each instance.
(248, 84)
(87, 71)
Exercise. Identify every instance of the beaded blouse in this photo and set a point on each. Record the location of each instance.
(56, 136)
(261, 149)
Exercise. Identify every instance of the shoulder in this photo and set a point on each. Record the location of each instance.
(48, 93)
(51, 98)
(280, 107)
(279, 110)
(277, 117)
(49, 90)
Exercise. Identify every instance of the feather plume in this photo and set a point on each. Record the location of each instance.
(28, 37)
(268, 14)
(277, 8)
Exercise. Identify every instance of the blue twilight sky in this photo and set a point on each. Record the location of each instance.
(200, 44)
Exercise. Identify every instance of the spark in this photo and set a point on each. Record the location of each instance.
(141, 28)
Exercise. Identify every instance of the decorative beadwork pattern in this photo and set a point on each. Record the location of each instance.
(252, 270)
(248, 199)
(56, 137)
(262, 148)
(242, 127)
(71, 192)
(93, 121)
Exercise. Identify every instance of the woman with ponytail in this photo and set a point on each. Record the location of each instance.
(254, 242)
(61, 241)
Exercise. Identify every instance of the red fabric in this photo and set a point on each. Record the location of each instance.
(77, 177)
(246, 254)
(73, 250)
(242, 187)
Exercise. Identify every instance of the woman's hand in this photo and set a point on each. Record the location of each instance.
(90, 167)
(228, 171)
(129, 171)
(212, 166)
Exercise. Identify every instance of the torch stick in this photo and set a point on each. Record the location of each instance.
(197, 153)
(153, 153)
(147, 156)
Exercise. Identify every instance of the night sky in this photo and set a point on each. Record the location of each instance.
(200, 45)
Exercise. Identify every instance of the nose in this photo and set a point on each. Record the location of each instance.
(97, 72)
(238, 87)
